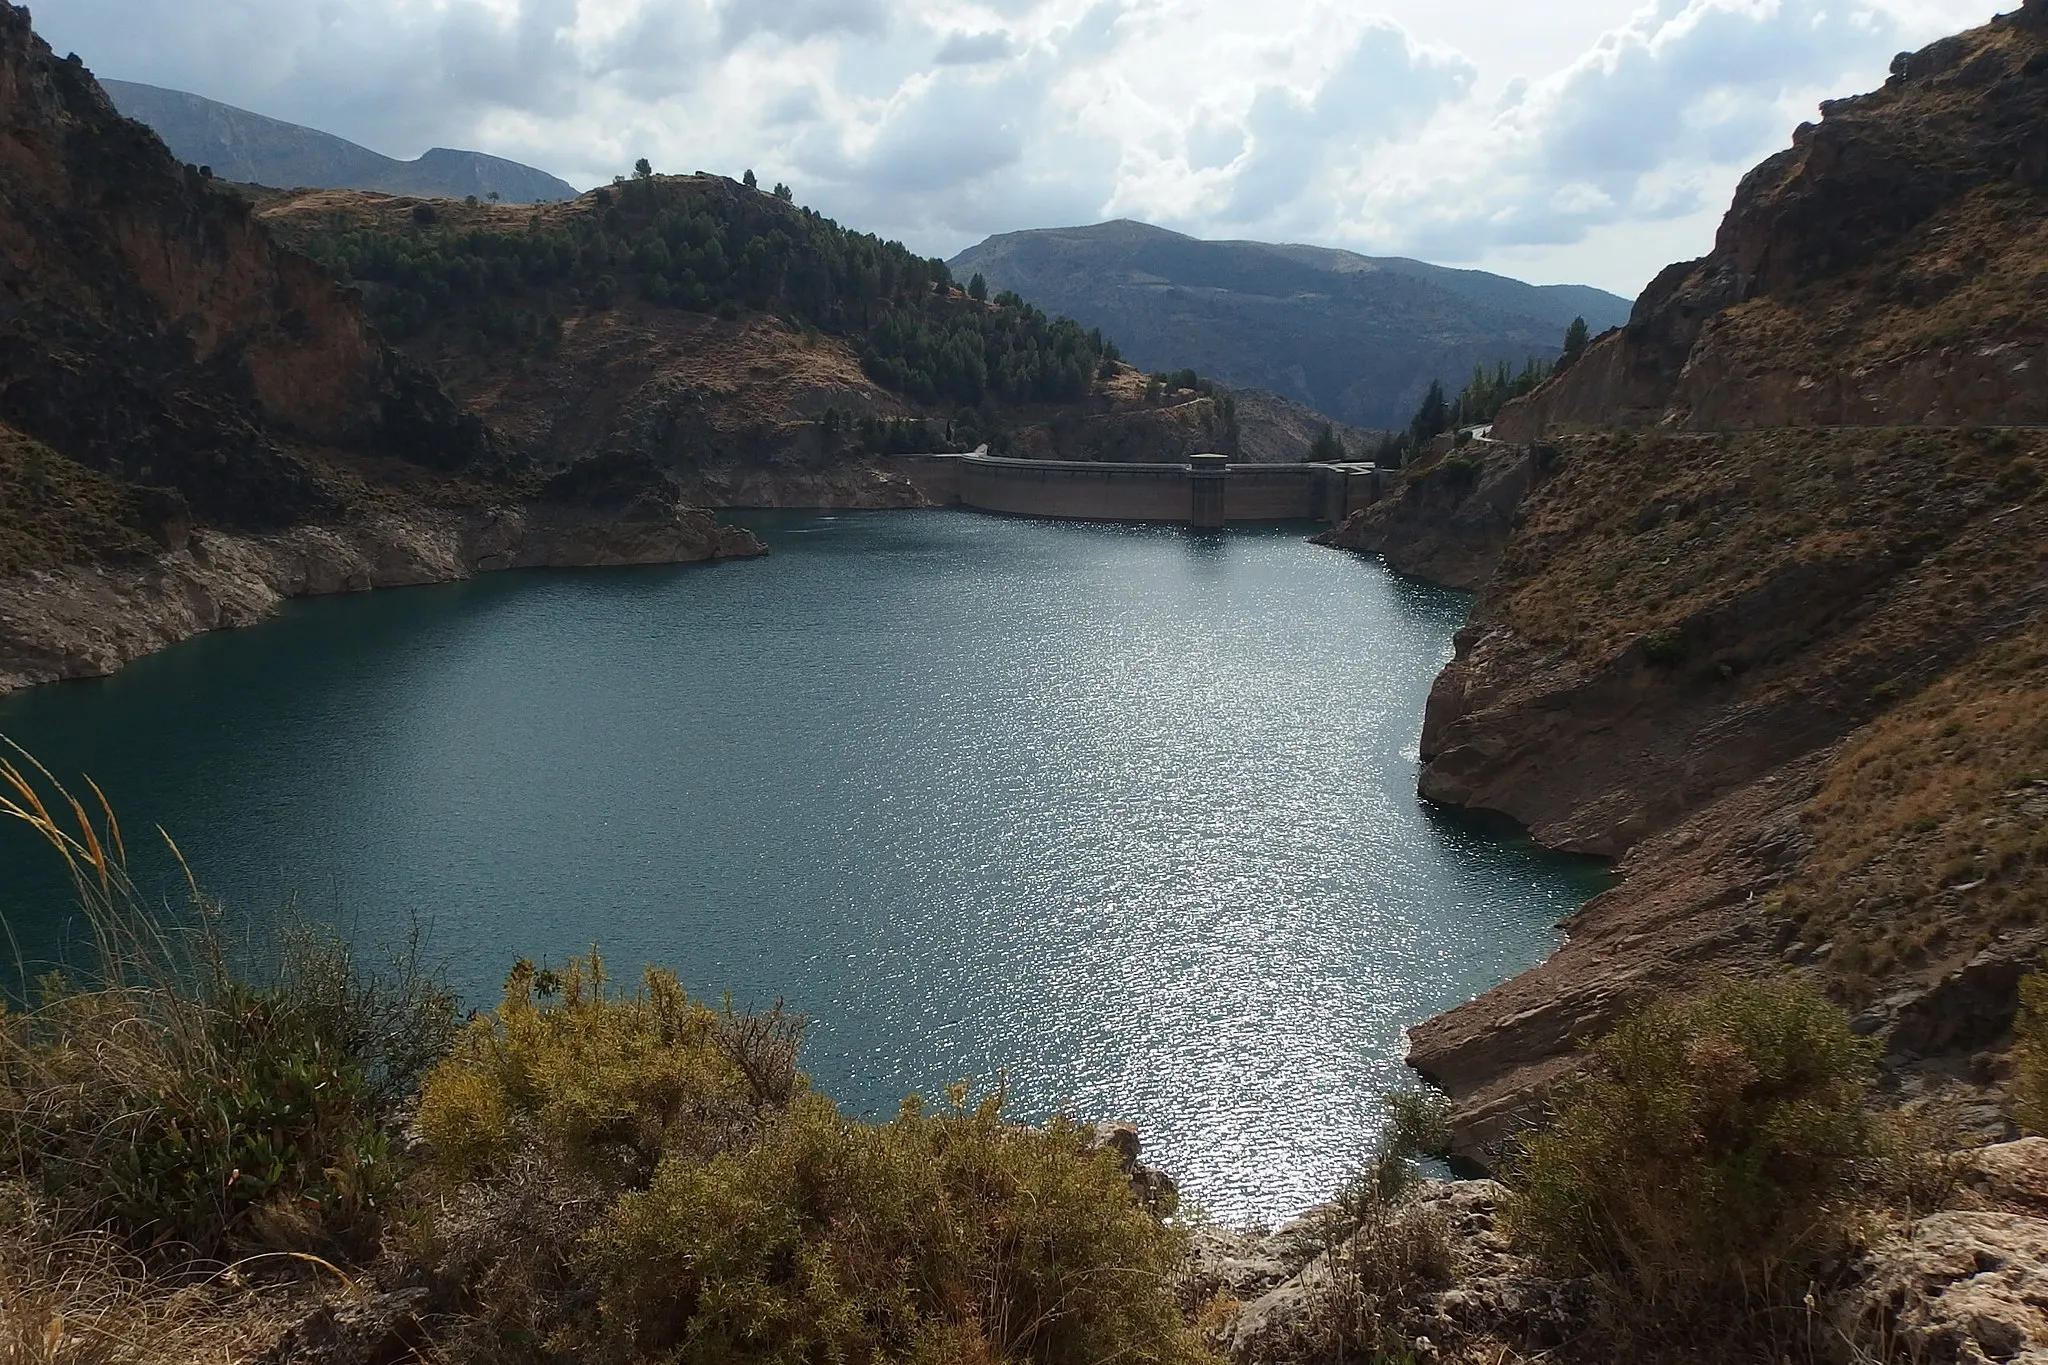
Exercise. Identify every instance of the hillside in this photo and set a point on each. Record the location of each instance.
(198, 423)
(251, 149)
(1356, 338)
(1790, 673)
(759, 352)
(1886, 269)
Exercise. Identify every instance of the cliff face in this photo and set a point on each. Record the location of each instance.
(180, 394)
(1790, 674)
(1886, 270)
(153, 332)
(1448, 517)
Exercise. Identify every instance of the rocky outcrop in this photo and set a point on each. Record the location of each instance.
(1435, 1273)
(1447, 520)
(1789, 676)
(1883, 271)
(87, 620)
(1959, 1288)
(1694, 657)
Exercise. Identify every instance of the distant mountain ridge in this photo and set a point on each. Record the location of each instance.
(1358, 338)
(253, 149)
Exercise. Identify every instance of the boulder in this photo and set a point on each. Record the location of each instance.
(1960, 1288)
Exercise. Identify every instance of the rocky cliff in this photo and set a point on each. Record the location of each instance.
(1885, 270)
(1790, 673)
(175, 384)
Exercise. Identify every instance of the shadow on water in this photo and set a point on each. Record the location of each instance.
(1498, 840)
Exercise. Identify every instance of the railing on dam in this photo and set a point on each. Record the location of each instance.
(1185, 493)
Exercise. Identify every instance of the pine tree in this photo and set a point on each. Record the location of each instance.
(1327, 448)
(977, 288)
(1575, 338)
(1433, 418)
(750, 181)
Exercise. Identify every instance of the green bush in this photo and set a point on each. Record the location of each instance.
(939, 1238)
(1665, 648)
(187, 1106)
(702, 1204)
(1706, 1153)
(604, 1083)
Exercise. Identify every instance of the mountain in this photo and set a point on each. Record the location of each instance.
(251, 149)
(1763, 605)
(1354, 337)
(756, 351)
(196, 422)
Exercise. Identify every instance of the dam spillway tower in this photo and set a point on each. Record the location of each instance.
(1208, 491)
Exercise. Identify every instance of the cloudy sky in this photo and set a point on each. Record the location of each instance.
(1556, 140)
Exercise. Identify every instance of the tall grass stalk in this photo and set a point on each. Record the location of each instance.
(157, 1092)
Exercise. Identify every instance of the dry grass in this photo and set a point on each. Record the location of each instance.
(82, 1299)
(1640, 533)
(60, 512)
(1930, 830)
(1971, 271)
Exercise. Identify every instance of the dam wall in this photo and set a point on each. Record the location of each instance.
(1181, 493)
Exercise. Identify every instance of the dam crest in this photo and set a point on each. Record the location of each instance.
(1207, 492)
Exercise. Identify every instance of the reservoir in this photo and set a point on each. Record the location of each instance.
(1122, 816)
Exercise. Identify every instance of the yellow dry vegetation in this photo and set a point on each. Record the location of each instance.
(1640, 533)
(1930, 829)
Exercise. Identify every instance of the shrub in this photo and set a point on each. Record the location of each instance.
(1703, 1157)
(168, 1098)
(1384, 1248)
(1664, 648)
(701, 1204)
(2030, 1055)
(940, 1238)
(604, 1083)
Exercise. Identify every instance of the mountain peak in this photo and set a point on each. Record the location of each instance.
(1358, 338)
(256, 149)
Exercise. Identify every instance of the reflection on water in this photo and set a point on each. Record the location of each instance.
(1123, 815)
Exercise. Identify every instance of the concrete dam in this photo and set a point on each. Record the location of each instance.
(1208, 492)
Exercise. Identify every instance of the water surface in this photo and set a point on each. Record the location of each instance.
(1124, 815)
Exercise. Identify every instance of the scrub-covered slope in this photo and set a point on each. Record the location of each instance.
(1791, 677)
(751, 346)
(173, 382)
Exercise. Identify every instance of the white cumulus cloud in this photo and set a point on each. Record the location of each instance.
(1593, 140)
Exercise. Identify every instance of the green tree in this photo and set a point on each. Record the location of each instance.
(784, 193)
(977, 288)
(1327, 448)
(643, 169)
(749, 181)
(1575, 338)
(1433, 418)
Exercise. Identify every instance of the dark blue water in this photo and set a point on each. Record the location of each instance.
(1122, 814)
